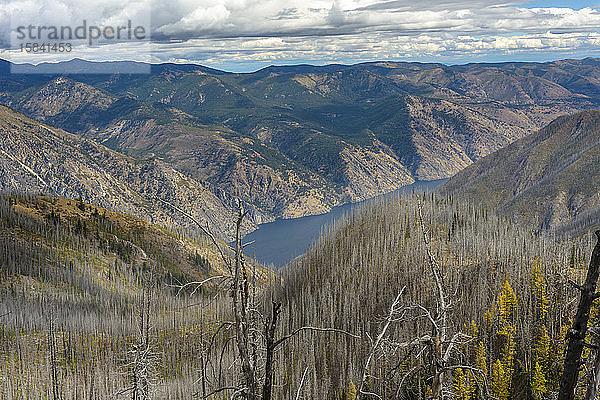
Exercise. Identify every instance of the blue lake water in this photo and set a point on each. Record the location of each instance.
(278, 242)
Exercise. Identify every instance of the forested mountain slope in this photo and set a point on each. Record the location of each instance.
(508, 305)
(298, 140)
(38, 158)
(78, 282)
(549, 179)
(80, 287)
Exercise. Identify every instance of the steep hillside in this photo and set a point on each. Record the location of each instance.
(504, 292)
(38, 158)
(298, 140)
(86, 230)
(549, 178)
(80, 286)
(77, 283)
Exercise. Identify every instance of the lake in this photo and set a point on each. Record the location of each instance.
(278, 242)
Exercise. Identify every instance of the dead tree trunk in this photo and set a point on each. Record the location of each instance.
(438, 371)
(246, 320)
(270, 327)
(392, 316)
(240, 299)
(576, 335)
(52, 346)
(439, 326)
(592, 388)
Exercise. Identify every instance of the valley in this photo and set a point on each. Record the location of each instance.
(547, 180)
(384, 230)
(300, 140)
(277, 243)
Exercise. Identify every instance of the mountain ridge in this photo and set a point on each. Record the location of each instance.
(298, 140)
(546, 178)
(38, 158)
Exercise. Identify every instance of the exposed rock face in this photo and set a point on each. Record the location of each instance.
(63, 95)
(231, 167)
(299, 140)
(372, 171)
(549, 178)
(449, 137)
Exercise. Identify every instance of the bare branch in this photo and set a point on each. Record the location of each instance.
(204, 229)
(378, 340)
(453, 342)
(198, 284)
(223, 389)
(301, 383)
(435, 268)
(575, 285)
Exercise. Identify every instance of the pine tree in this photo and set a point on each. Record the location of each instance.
(542, 364)
(503, 368)
(500, 381)
(539, 382)
(538, 289)
(473, 332)
(480, 358)
(351, 391)
(507, 303)
(461, 391)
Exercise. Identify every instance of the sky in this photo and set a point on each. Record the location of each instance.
(245, 35)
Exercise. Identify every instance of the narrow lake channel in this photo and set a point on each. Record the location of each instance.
(277, 243)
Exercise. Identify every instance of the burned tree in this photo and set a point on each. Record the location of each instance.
(577, 333)
(254, 333)
(438, 345)
(396, 313)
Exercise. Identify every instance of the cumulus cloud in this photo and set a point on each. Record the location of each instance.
(228, 32)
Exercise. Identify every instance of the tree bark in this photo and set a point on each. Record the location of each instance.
(438, 371)
(592, 389)
(576, 335)
(439, 329)
(240, 303)
(270, 327)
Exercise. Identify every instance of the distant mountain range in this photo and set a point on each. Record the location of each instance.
(550, 178)
(296, 140)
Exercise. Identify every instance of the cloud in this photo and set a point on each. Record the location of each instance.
(234, 32)
(212, 17)
(314, 17)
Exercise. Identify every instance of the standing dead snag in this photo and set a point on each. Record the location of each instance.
(240, 297)
(53, 369)
(394, 314)
(439, 328)
(140, 360)
(439, 345)
(255, 346)
(576, 335)
(594, 382)
(270, 326)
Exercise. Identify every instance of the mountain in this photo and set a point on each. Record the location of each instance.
(38, 158)
(501, 283)
(42, 224)
(298, 140)
(549, 178)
